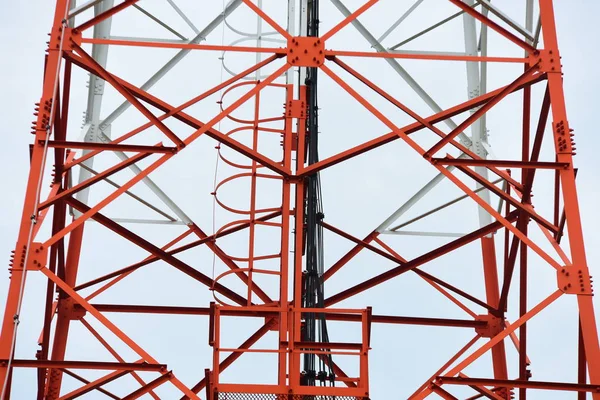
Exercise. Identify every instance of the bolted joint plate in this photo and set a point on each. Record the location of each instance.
(547, 61)
(295, 109)
(494, 325)
(68, 309)
(563, 137)
(304, 51)
(572, 280)
(36, 258)
(65, 35)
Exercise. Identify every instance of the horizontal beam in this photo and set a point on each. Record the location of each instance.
(423, 259)
(113, 366)
(158, 252)
(109, 146)
(501, 163)
(570, 387)
(422, 56)
(189, 46)
(382, 319)
(412, 128)
(153, 258)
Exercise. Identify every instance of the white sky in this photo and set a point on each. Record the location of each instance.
(357, 197)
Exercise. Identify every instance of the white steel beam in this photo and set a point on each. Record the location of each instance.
(412, 201)
(183, 16)
(398, 68)
(174, 61)
(95, 92)
(524, 31)
(81, 8)
(478, 129)
(399, 21)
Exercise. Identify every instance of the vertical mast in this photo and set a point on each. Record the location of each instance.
(315, 329)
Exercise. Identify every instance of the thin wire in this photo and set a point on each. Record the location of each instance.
(16, 317)
(218, 148)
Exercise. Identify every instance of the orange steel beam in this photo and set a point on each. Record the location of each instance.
(202, 128)
(481, 111)
(412, 128)
(101, 72)
(103, 203)
(571, 387)
(191, 46)
(393, 257)
(412, 264)
(119, 277)
(569, 193)
(180, 265)
(267, 19)
(94, 385)
(483, 391)
(430, 57)
(485, 20)
(102, 365)
(444, 394)
(105, 15)
(95, 179)
(255, 337)
(114, 353)
(17, 280)
(85, 381)
(149, 386)
(112, 327)
(152, 258)
(492, 291)
(382, 319)
(108, 146)
(348, 19)
(418, 118)
(452, 359)
(282, 315)
(174, 111)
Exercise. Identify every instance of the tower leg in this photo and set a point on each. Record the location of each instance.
(25, 236)
(569, 192)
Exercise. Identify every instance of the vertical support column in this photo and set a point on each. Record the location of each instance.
(91, 132)
(295, 328)
(57, 251)
(64, 313)
(523, 371)
(479, 137)
(42, 129)
(284, 333)
(581, 363)
(569, 192)
(253, 181)
(492, 291)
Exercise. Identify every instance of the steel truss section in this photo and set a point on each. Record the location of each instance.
(275, 286)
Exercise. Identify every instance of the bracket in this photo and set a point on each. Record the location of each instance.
(37, 258)
(494, 325)
(68, 35)
(295, 109)
(305, 51)
(563, 136)
(575, 281)
(548, 61)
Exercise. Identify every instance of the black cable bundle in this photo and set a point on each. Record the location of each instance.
(315, 328)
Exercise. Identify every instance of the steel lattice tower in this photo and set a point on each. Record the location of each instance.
(288, 131)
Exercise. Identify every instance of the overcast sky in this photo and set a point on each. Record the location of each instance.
(357, 197)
